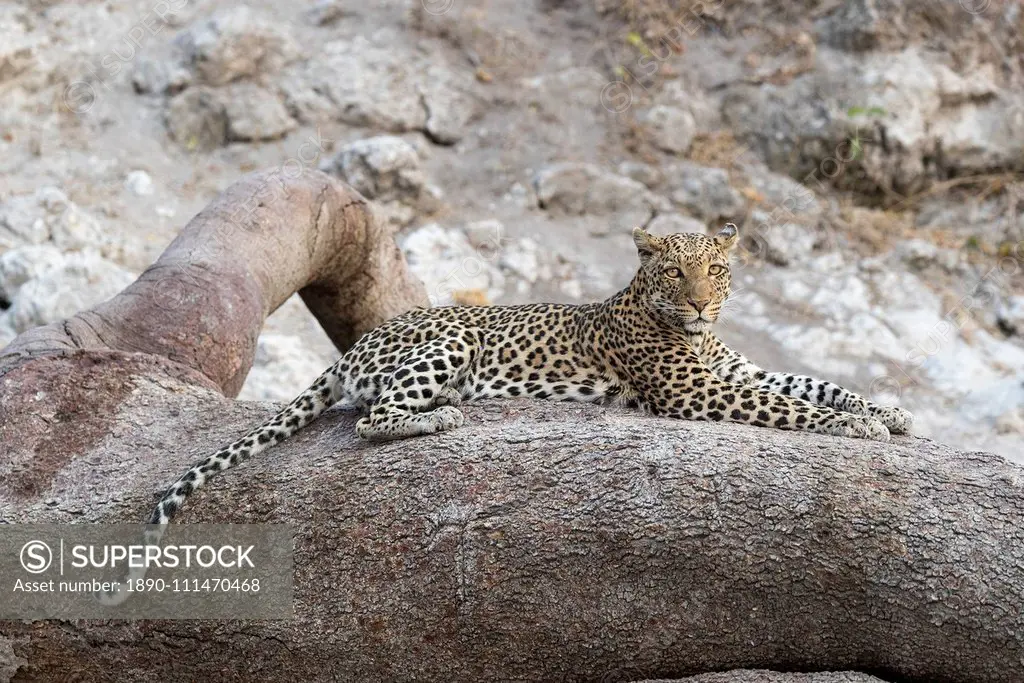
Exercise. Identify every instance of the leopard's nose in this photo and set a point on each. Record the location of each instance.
(699, 304)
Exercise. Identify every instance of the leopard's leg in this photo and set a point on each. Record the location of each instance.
(825, 393)
(720, 401)
(732, 366)
(420, 397)
(692, 391)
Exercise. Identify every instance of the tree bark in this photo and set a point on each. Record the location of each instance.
(541, 541)
(546, 541)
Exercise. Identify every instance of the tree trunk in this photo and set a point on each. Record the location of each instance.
(541, 541)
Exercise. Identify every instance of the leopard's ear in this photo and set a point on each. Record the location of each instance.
(727, 236)
(647, 245)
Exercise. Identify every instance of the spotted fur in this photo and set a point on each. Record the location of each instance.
(648, 347)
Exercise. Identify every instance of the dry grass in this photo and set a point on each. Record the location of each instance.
(873, 231)
(719, 148)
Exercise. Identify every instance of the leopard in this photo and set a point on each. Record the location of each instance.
(649, 347)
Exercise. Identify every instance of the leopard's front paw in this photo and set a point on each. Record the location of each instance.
(898, 420)
(448, 396)
(443, 419)
(859, 427)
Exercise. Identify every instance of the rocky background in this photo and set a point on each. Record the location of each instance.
(870, 150)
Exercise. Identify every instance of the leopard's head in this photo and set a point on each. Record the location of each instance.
(684, 278)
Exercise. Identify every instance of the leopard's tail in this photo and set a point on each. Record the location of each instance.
(305, 408)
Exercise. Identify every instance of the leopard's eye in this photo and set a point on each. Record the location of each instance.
(716, 269)
(673, 273)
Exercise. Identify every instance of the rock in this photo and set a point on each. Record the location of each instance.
(255, 113)
(984, 218)
(787, 198)
(19, 265)
(47, 215)
(650, 176)
(703, 191)
(139, 183)
(378, 166)
(197, 119)
(791, 129)
(855, 26)
(15, 60)
(387, 170)
(236, 43)
(780, 243)
(915, 119)
(920, 255)
(82, 280)
(446, 262)
(378, 89)
(669, 223)
(487, 235)
(522, 197)
(326, 12)
(382, 88)
(1010, 316)
(671, 129)
(687, 95)
(567, 97)
(523, 259)
(571, 88)
(578, 189)
(979, 137)
(159, 77)
(448, 109)
(955, 89)
(27, 219)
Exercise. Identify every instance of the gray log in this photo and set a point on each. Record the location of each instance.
(559, 542)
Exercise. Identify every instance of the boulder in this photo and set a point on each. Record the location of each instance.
(197, 119)
(61, 288)
(236, 42)
(704, 192)
(254, 113)
(882, 120)
(671, 129)
(372, 83)
(22, 264)
(387, 169)
(49, 216)
(154, 76)
(571, 188)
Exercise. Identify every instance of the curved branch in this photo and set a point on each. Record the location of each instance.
(204, 301)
